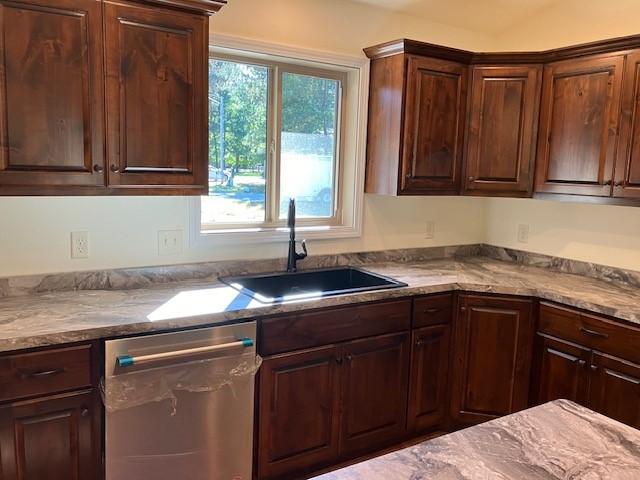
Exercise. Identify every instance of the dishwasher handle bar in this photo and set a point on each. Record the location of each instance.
(128, 360)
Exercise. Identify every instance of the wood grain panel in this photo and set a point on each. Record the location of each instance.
(156, 83)
(434, 126)
(627, 177)
(493, 344)
(52, 438)
(386, 100)
(503, 113)
(578, 126)
(429, 378)
(561, 370)
(51, 94)
(331, 325)
(374, 393)
(298, 412)
(615, 389)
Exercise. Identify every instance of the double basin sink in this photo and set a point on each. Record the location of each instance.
(282, 287)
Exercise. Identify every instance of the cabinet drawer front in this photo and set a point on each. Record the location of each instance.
(39, 373)
(590, 330)
(432, 310)
(305, 330)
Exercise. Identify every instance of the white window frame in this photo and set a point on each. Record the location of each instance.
(347, 221)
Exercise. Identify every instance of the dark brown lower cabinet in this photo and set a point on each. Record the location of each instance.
(298, 411)
(321, 405)
(374, 393)
(492, 357)
(615, 388)
(563, 370)
(428, 386)
(580, 365)
(51, 438)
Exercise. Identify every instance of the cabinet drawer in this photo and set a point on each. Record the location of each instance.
(40, 373)
(323, 327)
(590, 330)
(432, 310)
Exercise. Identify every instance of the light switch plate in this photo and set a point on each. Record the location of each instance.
(523, 233)
(169, 242)
(430, 230)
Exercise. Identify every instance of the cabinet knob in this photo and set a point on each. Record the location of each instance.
(618, 184)
(349, 358)
(114, 168)
(471, 179)
(607, 183)
(339, 360)
(419, 342)
(98, 168)
(84, 412)
(463, 309)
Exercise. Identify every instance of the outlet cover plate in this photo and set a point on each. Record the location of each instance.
(79, 244)
(169, 242)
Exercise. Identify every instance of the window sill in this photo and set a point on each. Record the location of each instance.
(270, 235)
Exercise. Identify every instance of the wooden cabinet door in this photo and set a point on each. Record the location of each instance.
(578, 125)
(156, 98)
(492, 357)
(503, 120)
(434, 126)
(429, 378)
(53, 438)
(561, 370)
(51, 83)
(298, 412)
(627, 181)
(374, 393)
(615, 389)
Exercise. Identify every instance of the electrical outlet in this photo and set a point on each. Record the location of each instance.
(79, 244)
(523, 233)
(169, 242)
(430, 230)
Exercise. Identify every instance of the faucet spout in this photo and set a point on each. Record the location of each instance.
(294, 256)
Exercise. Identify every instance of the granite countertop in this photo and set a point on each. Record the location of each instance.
(557, 440)
(62, 317)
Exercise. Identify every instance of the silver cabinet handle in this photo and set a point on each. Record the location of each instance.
(129, 360)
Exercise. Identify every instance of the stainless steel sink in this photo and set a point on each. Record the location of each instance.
(280, 287)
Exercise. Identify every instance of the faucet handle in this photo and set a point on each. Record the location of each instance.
(302, 256)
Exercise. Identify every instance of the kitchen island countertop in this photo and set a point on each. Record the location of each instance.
(559, 440)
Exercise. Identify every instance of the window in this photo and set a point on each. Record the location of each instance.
(274, 134)
(280, 128)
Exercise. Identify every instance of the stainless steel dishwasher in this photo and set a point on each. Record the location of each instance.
(180, 405)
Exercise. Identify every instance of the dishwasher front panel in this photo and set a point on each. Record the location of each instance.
(180, 405)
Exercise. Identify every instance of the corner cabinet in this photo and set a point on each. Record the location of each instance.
(502, 127)
(416, 124)
(150, 58)
(491, 358)
(579, 125)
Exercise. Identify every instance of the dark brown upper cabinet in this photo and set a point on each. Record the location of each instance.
(627, 176)
(51, 84)
(501, 130)
(58, 59)
(560, 122)
(416, 124)
(156, 92)
(578, 125)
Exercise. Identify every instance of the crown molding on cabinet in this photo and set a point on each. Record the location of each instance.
(414, 47)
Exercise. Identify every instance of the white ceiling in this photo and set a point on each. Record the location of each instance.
(486, 16)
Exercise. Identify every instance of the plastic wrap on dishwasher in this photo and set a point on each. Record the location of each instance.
(137, 387)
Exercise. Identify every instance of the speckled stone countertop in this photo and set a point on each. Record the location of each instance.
(61, 317)
(554, 441)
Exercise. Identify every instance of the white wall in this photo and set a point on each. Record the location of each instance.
(34, 232)
(599, 233)
(609, 235)
(124, 231)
